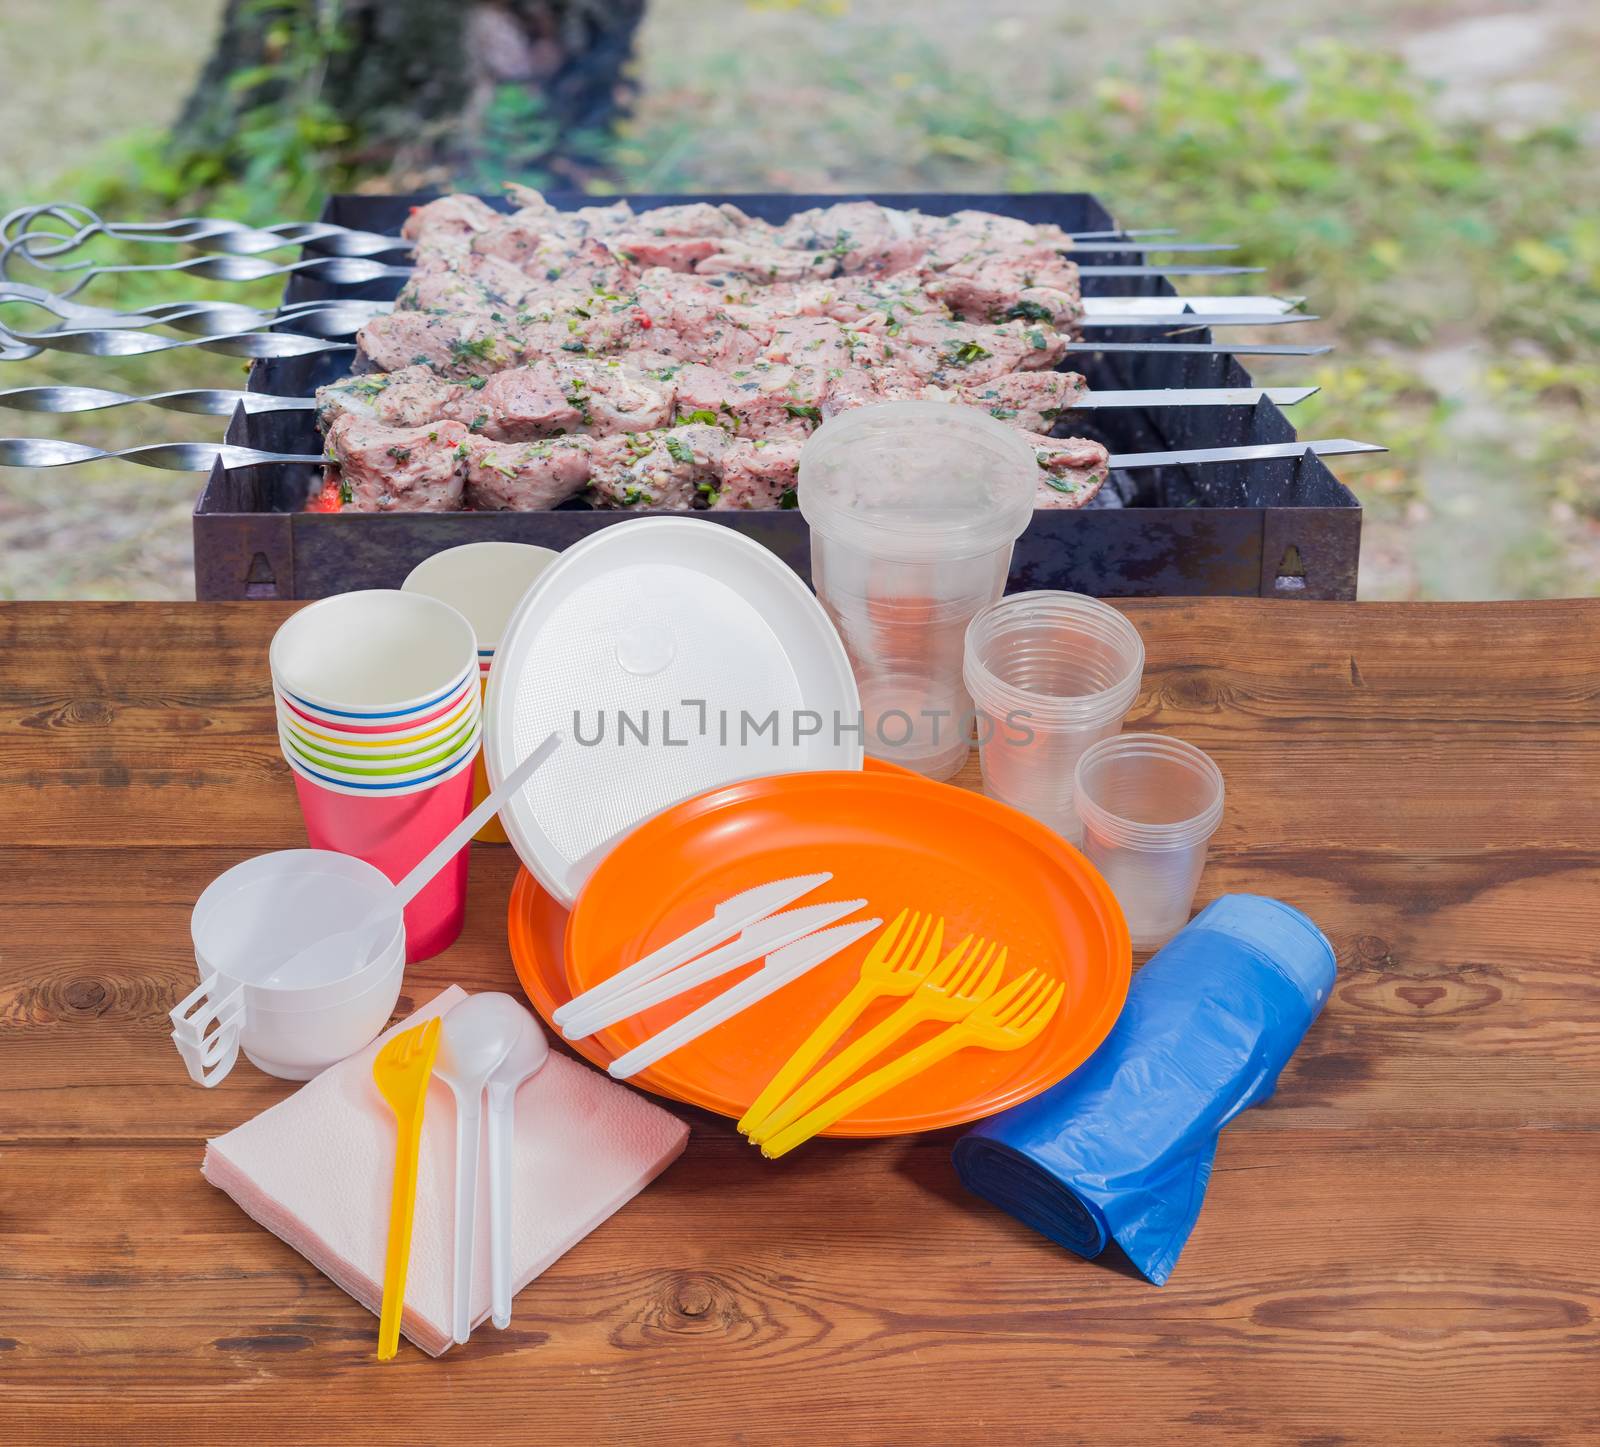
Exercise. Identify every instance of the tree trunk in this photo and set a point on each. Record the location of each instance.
(430, 87)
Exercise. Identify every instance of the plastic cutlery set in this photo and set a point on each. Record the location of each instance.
(961, 989)
(482, 1049)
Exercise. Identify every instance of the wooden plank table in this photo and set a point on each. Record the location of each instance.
(1399, 1248)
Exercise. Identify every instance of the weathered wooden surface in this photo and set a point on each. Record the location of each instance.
(1399, 1248)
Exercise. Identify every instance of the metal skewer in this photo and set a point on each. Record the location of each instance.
(102, 342)
(198, 401)
(220, 402)
(203, 456)
(360, 271)
(191, 316)
(1259, 452)
(332, 322)
(218, 234)
(344, 317)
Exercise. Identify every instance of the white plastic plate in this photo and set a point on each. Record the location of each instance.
(675, 655)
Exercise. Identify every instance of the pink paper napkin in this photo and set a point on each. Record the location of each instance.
(316, 1169)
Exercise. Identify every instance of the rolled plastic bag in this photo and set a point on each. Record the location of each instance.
(1121, 1150)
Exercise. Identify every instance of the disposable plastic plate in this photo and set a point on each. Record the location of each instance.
(898, 841)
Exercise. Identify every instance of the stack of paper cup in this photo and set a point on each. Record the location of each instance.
(484, 582)
(380, 717)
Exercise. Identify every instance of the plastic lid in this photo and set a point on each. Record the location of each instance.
(918, 481)
(676, 656)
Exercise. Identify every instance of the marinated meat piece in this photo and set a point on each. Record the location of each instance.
(458, 215)
(549, 398)
(526, 477)
(677, 237)
(1029, 400)
(525, 403)
(883, 303)
(955, 352)
(532, 206)
(691, 321)
(862, 386)
(951, 239)
(860, 236)
(993, 286)
(766, 263)
(515, 241)
(761, 399)
(414, 469)
(696, 218)
(474, 283)
(1071, 470)
(594, 267)
(461, 344)
(620, 398)
(406, 398)
(758, 474)
(823, 342)
(677, 468)
(599, 221)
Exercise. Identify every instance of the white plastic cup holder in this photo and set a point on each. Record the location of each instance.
(248, 926)
(208, 1058)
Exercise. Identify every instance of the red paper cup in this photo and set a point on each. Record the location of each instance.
(392, 830)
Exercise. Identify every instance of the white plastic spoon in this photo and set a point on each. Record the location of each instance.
(474, 1038)
(320, 960)
(525, 1059)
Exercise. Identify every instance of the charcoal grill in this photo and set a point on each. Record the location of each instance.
(1284, 527)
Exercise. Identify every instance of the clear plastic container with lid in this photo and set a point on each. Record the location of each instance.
(913, 508)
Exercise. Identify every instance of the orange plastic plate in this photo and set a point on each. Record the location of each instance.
(898, 841)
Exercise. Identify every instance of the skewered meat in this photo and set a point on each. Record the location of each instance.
(600, 396)
(951, 351)
(413, 469)
(678, 357)
(533, 476)
(439, 467)
(1072, 470)
(677, 468)
(759, 474)
(677, 237)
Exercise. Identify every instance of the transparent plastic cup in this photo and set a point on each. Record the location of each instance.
(1149, 806)
(1049, 674)
(913, 508)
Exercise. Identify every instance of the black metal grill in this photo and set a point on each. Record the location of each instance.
(1281, 527)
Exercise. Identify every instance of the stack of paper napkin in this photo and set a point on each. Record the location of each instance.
(316, 1170)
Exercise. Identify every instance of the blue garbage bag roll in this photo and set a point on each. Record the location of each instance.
(1122, 1148)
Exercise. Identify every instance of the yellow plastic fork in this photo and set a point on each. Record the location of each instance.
(1008, 1021)
(900, 959)
(955, 987)
(401, 1070)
